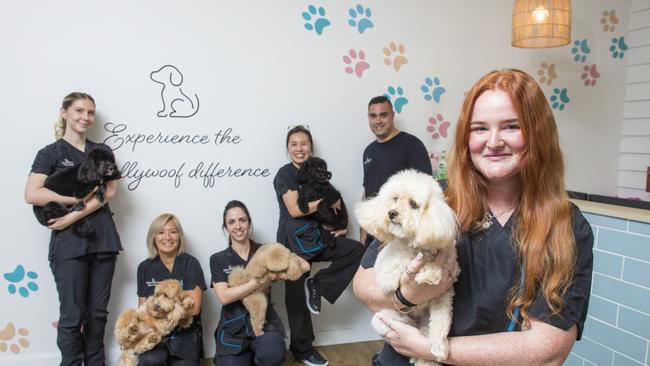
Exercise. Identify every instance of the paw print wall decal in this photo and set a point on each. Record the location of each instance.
(589, 74)
(8, 341)
(315, 19)
(396, 96)
(395, 55)
(618, 47)
(559, 98)
(580, 50)
(546, 73)
(609, 20)
(17, 280)
(438, 126)
(360, 18)
(356, 62)
(432, 89)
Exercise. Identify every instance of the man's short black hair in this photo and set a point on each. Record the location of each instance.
(380, 99)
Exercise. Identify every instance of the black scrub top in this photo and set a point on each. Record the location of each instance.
(65, 244)
(301, 235)
(234, 332)
(489, 268)
(182, 343)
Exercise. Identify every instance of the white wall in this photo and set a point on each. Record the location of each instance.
(257, 70)
(635, 136)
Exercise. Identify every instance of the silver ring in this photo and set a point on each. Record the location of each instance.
(409, 274)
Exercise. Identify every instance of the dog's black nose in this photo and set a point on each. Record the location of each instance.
(392, 214)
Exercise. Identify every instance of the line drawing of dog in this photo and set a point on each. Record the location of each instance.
(140, 330)
(410, 215)
(275, 262)
(175, 102)
(79, 181)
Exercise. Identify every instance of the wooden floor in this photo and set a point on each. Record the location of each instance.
(351, 354)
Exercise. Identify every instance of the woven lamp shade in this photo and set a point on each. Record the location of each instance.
(541, 23)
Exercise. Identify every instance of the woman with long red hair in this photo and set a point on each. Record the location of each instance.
(525, 251)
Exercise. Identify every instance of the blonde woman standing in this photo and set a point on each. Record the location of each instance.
(82, 267)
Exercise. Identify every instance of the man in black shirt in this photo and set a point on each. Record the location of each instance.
(391, 152)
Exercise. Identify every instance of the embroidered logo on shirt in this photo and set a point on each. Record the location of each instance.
(67, 162)
(153, 282)
(227, 270)
(368, 160)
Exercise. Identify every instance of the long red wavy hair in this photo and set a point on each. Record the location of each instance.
(543, 235)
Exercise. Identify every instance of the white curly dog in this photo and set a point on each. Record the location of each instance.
(410, 215)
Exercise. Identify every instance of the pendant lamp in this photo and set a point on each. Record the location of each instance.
(541, 23)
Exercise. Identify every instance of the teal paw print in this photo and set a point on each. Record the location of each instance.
(400, 101)
(432, 89)
(580, 50)
(363, 22)
(17, 276)
(559, 98)
(320, 23)
(618, 47)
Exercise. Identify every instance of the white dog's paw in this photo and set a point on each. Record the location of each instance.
(440, 350)
(379, 326)
(429, 274)
(421, 362)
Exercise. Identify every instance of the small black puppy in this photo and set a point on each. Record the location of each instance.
(78, 181)
(314, 180)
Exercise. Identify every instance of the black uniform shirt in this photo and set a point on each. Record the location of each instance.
(382, 160)
(60, 155)
(489, 268)
(221, 263)
(184, 343)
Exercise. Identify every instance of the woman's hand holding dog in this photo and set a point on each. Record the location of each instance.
(63, 222)
(419, 293)
(405, 338)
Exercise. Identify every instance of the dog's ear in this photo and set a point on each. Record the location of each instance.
(372, 215)
(438, 225)
(87, 172)
(295, 270)
(175, 76)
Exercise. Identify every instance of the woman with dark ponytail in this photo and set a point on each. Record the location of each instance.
(235, 343)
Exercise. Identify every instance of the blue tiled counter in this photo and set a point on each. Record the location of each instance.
(617, 331)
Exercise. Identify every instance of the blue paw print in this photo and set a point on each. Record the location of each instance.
(18, 275)
(398, 102)
(559, 98)
(364, 21)
(431, 92)
(618, 47)
(580, 50)
(320, 23)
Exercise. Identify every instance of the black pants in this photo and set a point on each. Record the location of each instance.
(265, 350)
(389, 357)
(159, 356)
(84, 286)
(330, 283)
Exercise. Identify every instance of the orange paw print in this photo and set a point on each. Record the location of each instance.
(7, 336)
(609, 20)
(392, 59)
(546, 73)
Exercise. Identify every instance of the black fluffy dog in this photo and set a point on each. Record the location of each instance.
(314, 180)
(78, 181)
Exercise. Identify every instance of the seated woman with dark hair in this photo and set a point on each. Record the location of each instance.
(235, 342)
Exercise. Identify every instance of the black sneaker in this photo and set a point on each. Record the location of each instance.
(315, 359)
(313, 302)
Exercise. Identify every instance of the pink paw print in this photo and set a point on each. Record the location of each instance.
(438, 126)
(589, 75)
(359, 60)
